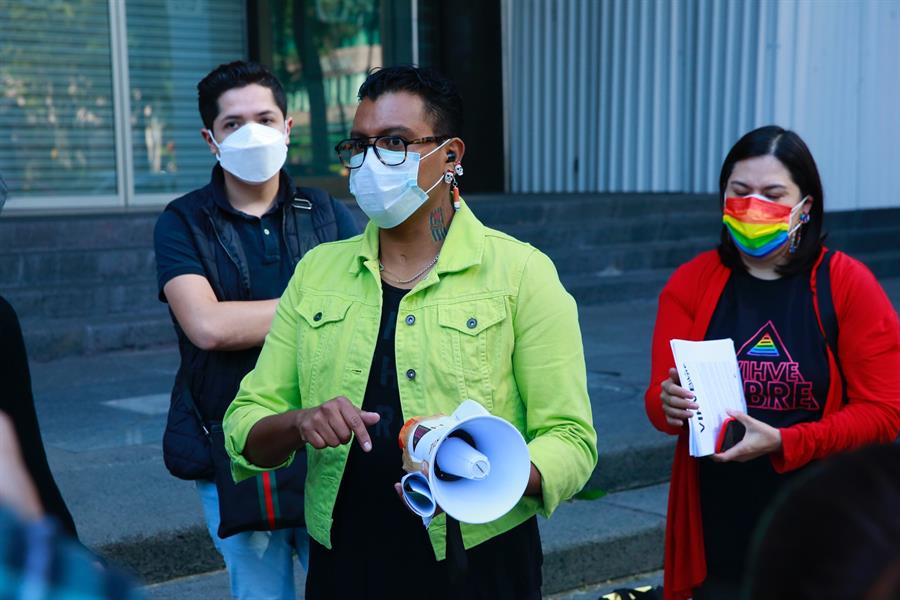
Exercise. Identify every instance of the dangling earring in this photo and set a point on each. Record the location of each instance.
(798, 235)
(450, 177)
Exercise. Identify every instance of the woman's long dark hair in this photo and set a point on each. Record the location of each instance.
(793, 153)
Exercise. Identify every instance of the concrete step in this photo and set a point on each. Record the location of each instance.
(499, 210)
(208, 585)
(131, 229)
(50, 339)
(884, 265)
(629, 256)
(607, 287)
(612, 284)
(574, 250)
(596, 544)
(875, 239)
(606, 232)
(85, 298)
(616, 536)
(134, 228)
(41, 267)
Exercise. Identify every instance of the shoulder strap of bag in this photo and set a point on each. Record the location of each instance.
(302, 209)
(188, 398)
(827, 314)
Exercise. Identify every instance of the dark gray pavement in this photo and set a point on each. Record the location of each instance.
(102, 419)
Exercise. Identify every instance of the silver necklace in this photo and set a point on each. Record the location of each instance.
(417, 275)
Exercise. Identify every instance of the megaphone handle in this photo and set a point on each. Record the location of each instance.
(455, 549)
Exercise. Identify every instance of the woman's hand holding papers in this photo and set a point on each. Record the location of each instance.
(676, 401)
(760, 439)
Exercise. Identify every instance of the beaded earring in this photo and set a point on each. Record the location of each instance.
(450, 177)
(798, 235)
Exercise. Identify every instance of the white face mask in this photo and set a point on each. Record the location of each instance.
(254, 153)
(389, 195)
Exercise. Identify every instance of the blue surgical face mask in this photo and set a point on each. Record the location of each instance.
(389, 195)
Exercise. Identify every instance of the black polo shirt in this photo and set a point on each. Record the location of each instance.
(261, 237)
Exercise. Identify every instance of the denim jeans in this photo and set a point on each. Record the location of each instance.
(260, 563)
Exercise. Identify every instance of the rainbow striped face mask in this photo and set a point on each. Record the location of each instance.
(757, 225)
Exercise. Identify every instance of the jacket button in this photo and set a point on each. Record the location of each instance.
(410, 319)
(411, 374)
(317, 316)
(472, 323)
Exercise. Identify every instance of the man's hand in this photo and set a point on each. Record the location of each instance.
(759, 440)
(333, 424)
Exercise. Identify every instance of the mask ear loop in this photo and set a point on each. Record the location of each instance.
(215, 143)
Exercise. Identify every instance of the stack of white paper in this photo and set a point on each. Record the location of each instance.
(710, 370)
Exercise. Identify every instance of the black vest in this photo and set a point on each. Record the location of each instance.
(213, 377)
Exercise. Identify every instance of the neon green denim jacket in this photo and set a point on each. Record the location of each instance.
(492, 323)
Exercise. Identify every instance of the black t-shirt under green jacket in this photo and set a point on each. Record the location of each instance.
(784, 368)
(379, 548)
(18, 402)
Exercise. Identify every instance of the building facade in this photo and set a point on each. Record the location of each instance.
(98, 100)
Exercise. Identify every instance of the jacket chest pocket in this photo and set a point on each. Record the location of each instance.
(472, 334)
(322, 340)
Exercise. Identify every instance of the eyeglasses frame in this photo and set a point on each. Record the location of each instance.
(373, 140)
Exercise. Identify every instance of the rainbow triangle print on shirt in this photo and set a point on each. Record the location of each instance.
(764, 347)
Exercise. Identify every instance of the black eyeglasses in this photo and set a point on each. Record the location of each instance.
(348, 150)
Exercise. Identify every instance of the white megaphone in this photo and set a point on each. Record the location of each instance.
(475, 466)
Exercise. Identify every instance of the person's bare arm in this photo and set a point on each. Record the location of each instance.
(17, 491)
(214, 325)
(330, 425)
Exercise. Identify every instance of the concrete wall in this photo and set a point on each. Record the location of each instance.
(648, 95)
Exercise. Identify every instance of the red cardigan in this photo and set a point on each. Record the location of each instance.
(869, 348)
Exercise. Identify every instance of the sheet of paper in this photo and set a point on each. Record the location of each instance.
(710, 370)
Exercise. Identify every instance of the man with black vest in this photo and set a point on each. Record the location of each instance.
(225, 254)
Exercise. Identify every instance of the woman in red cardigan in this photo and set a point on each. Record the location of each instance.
(759, 289)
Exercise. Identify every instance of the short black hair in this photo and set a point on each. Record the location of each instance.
(443, 104)
(793, 153)
(232, 75)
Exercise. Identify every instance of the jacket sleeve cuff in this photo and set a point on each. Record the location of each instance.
(564, 469)
(786, 459)
(237, 428)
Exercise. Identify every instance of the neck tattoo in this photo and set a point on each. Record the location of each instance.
(436, 224)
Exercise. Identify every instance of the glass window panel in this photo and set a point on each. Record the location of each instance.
(172, 44)
(321, 52)
(57, 127)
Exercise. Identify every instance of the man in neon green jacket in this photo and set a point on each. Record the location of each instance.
(427, 308)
